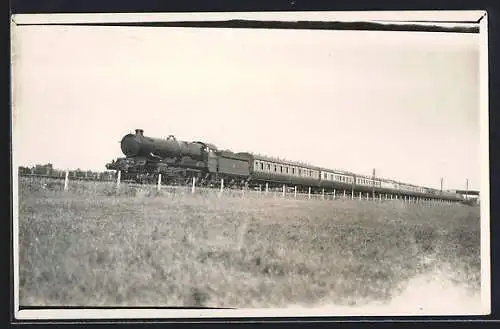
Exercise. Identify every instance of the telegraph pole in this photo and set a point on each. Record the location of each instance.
(441, 185)
(373, 184)
(467, 189)
(352, 187)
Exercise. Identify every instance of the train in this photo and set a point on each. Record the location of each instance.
(179, 162)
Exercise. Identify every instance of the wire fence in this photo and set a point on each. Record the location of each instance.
(37, 182)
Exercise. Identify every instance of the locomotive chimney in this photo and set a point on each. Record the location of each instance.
(139, 132)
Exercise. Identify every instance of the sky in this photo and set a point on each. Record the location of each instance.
(406, 104)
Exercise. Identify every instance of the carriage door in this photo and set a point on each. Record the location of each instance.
(212, 161)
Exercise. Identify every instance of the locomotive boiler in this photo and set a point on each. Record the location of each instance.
(138, 145)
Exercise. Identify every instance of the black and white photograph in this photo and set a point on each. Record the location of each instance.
(279, 164)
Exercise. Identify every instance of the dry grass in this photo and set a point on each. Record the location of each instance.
(94, 246)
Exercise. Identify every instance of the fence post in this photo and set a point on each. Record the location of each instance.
(66, 180)
(283, 190)
(118, 178)
(344, 194)
(323, 194)
(333, 194)
(193, 186)
(309, 194)
(359, 195)
(267, 188)
(221, 185)
(295, 192)
(159, 182)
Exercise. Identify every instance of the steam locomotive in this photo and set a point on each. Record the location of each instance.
(180, 161)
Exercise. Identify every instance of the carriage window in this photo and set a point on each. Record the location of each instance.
(325, 176)
(261, 166)
(281, 168)
(300, 172)
(286, 169)
(268, 167)
(293, 171)
(274, 167)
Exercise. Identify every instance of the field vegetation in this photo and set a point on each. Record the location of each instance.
(94, 245)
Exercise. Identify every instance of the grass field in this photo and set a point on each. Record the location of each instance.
(93, 246)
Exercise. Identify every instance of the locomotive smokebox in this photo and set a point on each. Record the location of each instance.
(131, 145)
(139, 132)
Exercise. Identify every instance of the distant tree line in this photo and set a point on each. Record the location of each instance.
(47, 170)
